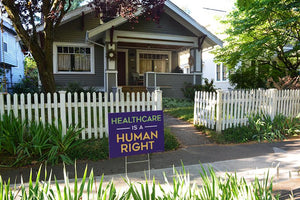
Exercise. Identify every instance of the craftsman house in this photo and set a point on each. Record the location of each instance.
(115, 56)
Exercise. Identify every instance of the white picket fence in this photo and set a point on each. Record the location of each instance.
(225, 109)
(87, 111)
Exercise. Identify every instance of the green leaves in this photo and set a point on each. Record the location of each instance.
(31, 142)
(228, 186)
(263, 33)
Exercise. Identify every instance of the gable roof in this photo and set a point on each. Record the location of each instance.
(170, 8)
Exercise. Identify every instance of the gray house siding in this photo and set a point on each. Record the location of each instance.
(167, 25)
(94, 80)
(74, 31)
(171, 84)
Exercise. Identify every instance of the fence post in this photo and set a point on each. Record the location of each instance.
(273, 105)
(62, 104)
(219, 111)
(158, 96)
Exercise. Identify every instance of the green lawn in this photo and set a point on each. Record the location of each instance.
(184, 113)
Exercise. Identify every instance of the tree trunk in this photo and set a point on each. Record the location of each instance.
(45, 67)
(46, 77)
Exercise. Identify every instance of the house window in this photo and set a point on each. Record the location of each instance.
(221, 72)
(153, 62)
(73, 59)
(218, 72)
(4, 46)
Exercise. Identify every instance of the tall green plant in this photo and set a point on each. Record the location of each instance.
(213, 187)
(12, 131)
(62, 144)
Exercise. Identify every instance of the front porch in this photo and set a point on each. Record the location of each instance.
(151, 63)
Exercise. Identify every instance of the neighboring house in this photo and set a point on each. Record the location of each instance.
(12, 57)
(114, 56)
(216, 72)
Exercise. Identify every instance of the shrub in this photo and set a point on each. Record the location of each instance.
(260, 128)
(92, 149)
(279, 128)
(175, 103)
(171, 143)
(26, 85)
(189, 89)
(240, 134)
(27, 142)
(76, 87)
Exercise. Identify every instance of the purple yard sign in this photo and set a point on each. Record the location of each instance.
(135, 133)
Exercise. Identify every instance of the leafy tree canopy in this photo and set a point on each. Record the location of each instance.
(262, 34)
(36, 21)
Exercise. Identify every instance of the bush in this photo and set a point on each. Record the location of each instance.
(279, 128)
(175, 103)
(76, 87)
(29, 142)
(240, 134)
(189, 89)
(23, 143)
(26, 85)
(261, 128)
(171, 143)
(92, 149)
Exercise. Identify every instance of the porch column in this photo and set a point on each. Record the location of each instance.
(111, 80)
(111, 71)
(196, 58)
(196, 68)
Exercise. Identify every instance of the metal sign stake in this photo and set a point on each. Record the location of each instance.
(135, 162)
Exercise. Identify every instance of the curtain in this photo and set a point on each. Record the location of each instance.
(145, 65)
(64, 62)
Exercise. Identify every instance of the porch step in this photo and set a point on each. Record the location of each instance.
(134, 89)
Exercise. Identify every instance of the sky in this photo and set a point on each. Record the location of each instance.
(201, 11)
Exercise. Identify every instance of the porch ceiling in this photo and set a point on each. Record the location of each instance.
(151, 46)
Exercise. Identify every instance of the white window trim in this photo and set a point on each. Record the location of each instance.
(138, 52)
(92, 57)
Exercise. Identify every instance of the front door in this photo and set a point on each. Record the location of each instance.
(121, 68)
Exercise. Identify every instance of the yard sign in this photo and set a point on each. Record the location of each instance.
(135, 133)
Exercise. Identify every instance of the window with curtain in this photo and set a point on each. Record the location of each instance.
(153, 62)
(73, 59)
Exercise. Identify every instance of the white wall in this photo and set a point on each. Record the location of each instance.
(209, 72)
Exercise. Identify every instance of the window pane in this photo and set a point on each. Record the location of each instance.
(5, 46)
(153, 62)
(82, 50)
(59, 49)
(66, 50)
(88, 51)
(64, 62)
(218, 72)
(71, 49)
(224, 72)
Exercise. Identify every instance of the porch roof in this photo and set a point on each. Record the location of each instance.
(175, 12)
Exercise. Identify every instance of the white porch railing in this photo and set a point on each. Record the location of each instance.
(86, 111)
(226, 109)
